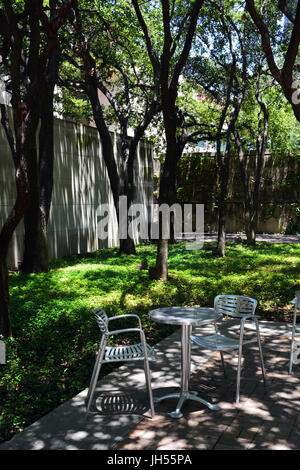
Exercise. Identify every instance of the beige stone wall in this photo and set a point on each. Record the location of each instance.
(80, 186)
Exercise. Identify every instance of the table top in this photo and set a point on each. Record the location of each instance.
(184, 315)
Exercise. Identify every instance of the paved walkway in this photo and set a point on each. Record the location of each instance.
(233, 237)
(267, 418)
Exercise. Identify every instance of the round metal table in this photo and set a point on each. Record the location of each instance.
(186, 317)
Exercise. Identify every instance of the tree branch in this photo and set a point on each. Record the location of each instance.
(265, 39)
(152, 54)
(293, 49)
(188, 41)
(286, 11)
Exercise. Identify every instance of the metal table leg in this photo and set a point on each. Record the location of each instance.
(185, 394)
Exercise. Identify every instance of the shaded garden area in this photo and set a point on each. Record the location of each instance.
(51, 356)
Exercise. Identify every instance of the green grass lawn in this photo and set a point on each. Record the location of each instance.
(51, 356)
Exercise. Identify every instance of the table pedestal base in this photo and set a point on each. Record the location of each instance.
(186, 317)
(185, 396)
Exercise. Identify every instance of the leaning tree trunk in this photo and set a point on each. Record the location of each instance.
(126, 244)
(129, 151)
(6, 234)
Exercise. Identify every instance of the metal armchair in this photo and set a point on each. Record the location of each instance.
(239, 307)
(107, 354)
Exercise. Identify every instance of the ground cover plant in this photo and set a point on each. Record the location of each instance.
(51, 356)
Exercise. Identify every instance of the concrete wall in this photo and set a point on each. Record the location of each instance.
(80, 185)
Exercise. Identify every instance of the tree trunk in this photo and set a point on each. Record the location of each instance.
(36, 219)
(162, 259)
(222, 202)
(127, 245)
(247, 191)
(46, 140)
(261, 147)
(35, 258)
(167, 195)
(251, 235)
(251, 198)
(35, 241)
(224, 164)
(105, 137)
(221, 230)
(251, 212)
(7, 231)
(26, 113)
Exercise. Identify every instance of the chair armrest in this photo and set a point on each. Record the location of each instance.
(117, 317)
(124, 330)
(246, 316)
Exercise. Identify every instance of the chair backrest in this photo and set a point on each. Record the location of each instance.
(235, 305)
(101, 319)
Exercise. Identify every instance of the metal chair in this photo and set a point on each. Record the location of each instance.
(107, 354)
(242, 308)
(295, 351)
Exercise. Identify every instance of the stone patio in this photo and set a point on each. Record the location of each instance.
(267, 418)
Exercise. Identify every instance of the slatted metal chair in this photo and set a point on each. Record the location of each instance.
(132, 352)
(237, 307)
(295, 347)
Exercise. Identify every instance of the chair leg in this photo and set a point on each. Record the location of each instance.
(293, 341)
(148, 385)
(96, 372)
(238, 381)
(260, 352)
(291, 358)
(147, 373)
(223, 363)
